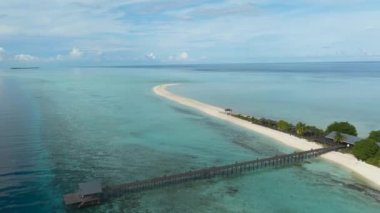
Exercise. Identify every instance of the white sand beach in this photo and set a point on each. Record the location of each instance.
(370, 173)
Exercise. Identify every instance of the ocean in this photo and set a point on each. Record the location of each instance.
(61, 126)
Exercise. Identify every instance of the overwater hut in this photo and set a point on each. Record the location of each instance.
(89, 193)
(349, 140)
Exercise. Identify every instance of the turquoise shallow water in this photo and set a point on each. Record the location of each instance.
(71, 125)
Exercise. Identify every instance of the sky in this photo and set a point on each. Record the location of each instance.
(116, 32)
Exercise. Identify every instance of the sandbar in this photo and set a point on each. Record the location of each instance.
(369, 172)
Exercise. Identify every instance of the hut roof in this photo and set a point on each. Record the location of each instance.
(350, 139)
(91, 187)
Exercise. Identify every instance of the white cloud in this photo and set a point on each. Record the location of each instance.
(62, 18)
(183, 56)
(78, 53)
(24, 58)
(223, 30)
(151, 56)
(217, 9)
(2, 54)
(75, 53)
(59, 57)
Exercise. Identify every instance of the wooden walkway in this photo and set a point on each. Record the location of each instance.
(226, 170)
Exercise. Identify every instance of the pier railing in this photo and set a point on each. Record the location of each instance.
(226, 170)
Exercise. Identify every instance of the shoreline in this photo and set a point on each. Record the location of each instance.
(369, 172)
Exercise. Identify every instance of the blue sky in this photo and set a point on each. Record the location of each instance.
(188, 31)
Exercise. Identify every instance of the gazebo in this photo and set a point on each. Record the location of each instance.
(228, 111)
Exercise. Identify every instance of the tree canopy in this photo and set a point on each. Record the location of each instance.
(342, 127)
(375, 135)
(300, 128)
(375, 160)
(339, 138)
(313, 131)
(365, 149)
(283, 125)
(268, 122)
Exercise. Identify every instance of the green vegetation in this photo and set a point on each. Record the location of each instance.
(375, 135)
(241, 116)
(268, 123)
(367, 150)
(339, 138)
(342, 127)
(300, 128)
(283, 125)
(314, 131)
(375, 160)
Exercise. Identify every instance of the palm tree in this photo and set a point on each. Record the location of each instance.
(339, 138)
(300, 128)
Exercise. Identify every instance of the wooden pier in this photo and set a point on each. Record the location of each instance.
(222, 171)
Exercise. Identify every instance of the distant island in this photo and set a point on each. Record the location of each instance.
(24, 68)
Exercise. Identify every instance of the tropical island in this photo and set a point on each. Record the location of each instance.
(361, 157)
(367, 149)
(24, 68)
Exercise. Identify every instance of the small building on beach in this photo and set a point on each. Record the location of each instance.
(350, 140)
(228, 111)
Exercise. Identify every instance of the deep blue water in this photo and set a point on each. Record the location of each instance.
(62, 126)
(25, 175)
